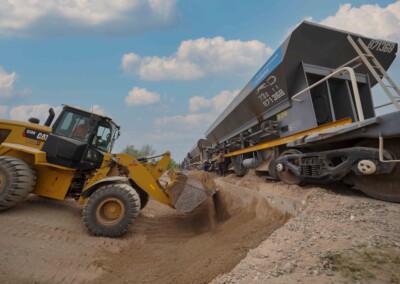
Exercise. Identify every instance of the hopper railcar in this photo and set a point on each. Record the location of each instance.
(199, 155)
(309, 115)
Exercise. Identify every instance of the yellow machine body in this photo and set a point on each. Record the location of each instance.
(73, 159)
(53, 181)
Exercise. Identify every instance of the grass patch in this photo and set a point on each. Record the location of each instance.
(349, 268)
(368, 264)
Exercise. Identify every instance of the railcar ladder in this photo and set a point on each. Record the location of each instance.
(376, 69)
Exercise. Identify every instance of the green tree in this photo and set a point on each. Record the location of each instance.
(173, 165)
(146, 151)
(130, 149)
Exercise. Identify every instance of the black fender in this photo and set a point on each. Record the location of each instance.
(144, 196)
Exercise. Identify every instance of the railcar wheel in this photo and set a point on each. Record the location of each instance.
(239, 172)
(285, 174)
(273, 173)
(384, 187)
(261, 174)
(17, 179)
(111, 210)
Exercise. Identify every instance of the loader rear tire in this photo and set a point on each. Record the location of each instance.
(17, 179)
(111, 210)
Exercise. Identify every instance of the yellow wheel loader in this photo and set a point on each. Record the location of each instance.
(73, 159)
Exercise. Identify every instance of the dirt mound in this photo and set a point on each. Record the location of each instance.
(206, 178)
(198, 246)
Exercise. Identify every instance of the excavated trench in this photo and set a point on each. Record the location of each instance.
(164, 246)
(170, 247)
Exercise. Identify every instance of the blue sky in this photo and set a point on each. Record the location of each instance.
(163, 69)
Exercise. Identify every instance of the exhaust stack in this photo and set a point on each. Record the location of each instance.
(50, 118)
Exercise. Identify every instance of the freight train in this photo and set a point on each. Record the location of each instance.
(199, 155)
(309, 116)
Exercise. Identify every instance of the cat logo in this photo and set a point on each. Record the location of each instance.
(37, 135)
(42, 136)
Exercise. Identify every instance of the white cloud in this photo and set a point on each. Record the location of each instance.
(129, 61)
(40, 111)
(198, 58)
(223, 99)
(198, 103)
(98, 110)
(7, 81)
(215, 105)
(202, 112)
(292, 28)
(178, 142)
(369, 20)
(3, 111)
(178, 133)
(61, 17)
(140, 96)
(184, 121)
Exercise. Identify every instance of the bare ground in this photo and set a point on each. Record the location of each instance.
(335, 236)
(44, 241)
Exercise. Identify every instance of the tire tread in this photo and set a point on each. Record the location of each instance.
(22, 181)
(123, 191)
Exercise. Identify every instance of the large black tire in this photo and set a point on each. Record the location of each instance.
(17, 179)
(111, 210)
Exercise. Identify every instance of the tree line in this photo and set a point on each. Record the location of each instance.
(146, 151)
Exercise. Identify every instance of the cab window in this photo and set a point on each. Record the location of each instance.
(103, 139)
(74, 125)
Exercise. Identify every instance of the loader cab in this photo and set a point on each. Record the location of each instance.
(80, 139)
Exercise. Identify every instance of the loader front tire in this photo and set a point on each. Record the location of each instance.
(111, 210)
(17, 179)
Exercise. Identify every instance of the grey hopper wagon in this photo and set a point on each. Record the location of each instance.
(199, 154)
(308, 115)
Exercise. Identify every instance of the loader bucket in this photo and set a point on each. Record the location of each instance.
(188, 192)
